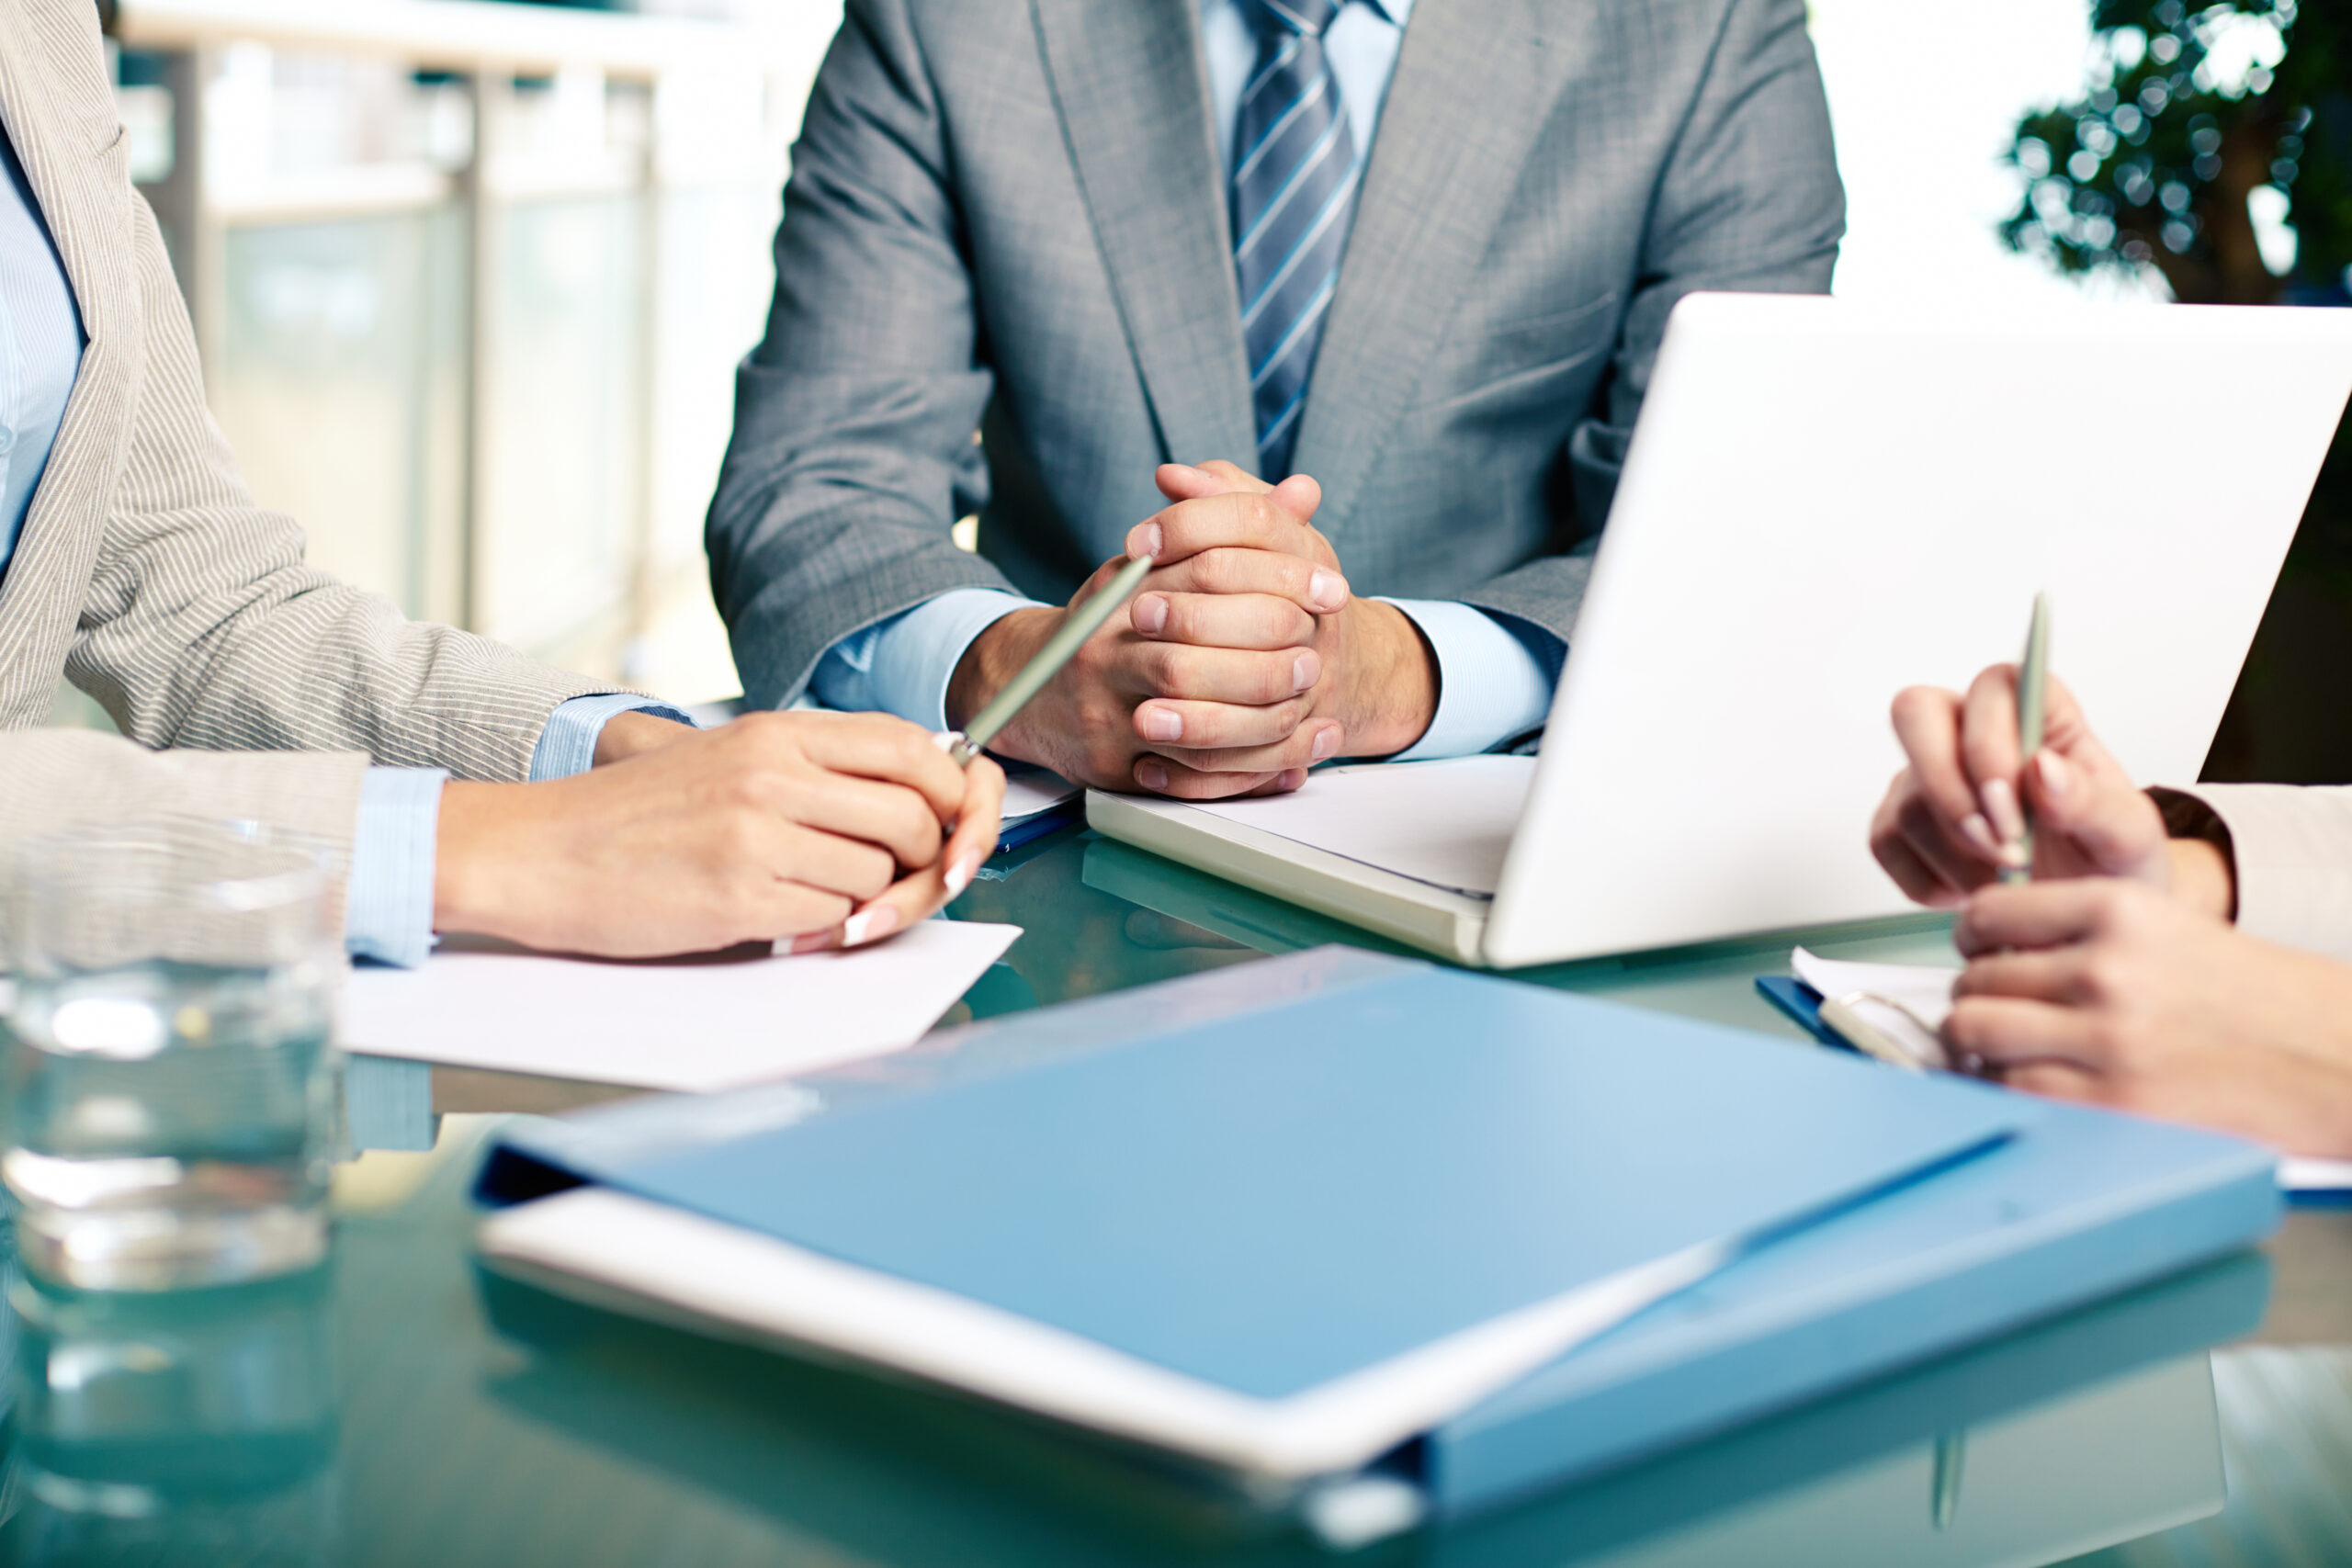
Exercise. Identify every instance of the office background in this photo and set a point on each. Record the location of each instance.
(470, 277)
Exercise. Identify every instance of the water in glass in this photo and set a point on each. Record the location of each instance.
(170, 1088)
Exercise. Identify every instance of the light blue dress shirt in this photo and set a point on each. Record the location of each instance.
(41, 350)
(387, 904)
(1495, 676)
(387, 909)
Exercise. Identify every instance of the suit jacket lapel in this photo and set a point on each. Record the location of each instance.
(1473, 87)
(1128, 82)
(70, 144)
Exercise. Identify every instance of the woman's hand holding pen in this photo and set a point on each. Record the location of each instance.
(2105, 990)
(1955, 815)
(830, 829)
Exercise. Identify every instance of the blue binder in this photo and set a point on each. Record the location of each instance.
(1283, 1173)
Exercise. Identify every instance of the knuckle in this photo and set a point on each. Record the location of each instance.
(2105, 978)
(899, 826)
(1174, 672)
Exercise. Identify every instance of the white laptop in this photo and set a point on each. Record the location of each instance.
(1826, 502)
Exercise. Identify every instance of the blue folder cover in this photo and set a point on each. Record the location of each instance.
(1290, 1170)
(1273, 1201)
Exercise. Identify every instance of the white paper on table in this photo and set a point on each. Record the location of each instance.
(1906, 1002)
(1028, 791)
(694, 1025)
(1448, 823)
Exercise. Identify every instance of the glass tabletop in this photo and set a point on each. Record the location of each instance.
(400, 1405)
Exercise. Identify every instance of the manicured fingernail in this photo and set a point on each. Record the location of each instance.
(2001, 805)
(1152, 615)
(1326, 591)
(945, 740)
(1160, 724)
(869, 925)
(1326, 742)
(1143, 539)
(1291, 778)
(1187, 470)
(810, 942)
(2055, 774)
(1151, 775)
(1304, 671)
(1980, 833)
(960, 874)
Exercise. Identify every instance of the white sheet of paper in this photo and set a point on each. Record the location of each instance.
(1921, 995)
(695, 1025)
(1028, 791)
(1447, 823)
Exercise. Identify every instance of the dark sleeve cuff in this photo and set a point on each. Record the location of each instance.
(2186, 817)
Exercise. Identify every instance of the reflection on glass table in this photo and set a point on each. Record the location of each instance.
(192, 1425)
(2097, 1427)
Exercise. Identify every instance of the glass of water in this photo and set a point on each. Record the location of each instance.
(170, 1088)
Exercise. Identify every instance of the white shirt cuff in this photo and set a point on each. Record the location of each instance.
(903, 665)
(568, 744)
(1492, 686)
(388, 902)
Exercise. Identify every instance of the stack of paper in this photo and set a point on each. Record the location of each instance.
(1036, 802)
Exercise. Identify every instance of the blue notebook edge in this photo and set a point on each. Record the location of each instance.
(1929, 1305)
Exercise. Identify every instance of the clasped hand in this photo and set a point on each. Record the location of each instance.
(1242, 660)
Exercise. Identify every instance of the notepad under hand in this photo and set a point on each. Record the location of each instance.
(1908, 1002)
(1904, 1003)
(696, 1024)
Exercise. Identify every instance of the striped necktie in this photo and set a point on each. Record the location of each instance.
(1294, 172)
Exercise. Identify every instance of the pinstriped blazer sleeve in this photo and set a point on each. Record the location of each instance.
(202, 626)
(1749, 201)
(2293, 853)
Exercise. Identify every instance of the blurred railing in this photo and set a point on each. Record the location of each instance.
(469, 280)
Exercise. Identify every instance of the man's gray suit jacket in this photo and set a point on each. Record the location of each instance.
(146, 572)
(1004, 284)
